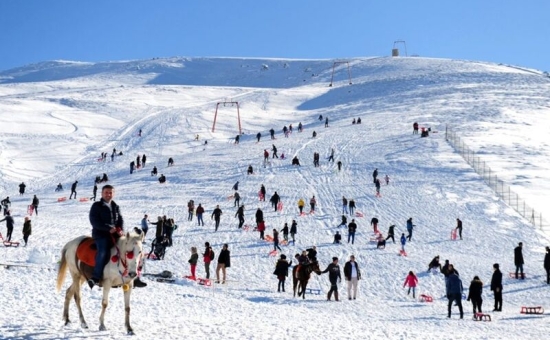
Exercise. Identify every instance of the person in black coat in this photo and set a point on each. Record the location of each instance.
(312, 254)
(459, 227)
(259, 216)
(281, 270)
(73, 189)
(391, 233)
(262, 193)
(474, 294)
(518, 260)
(293, 231)
(547, 265)
(22, 187)
(240, 215)
(35, 202)
(337, 238)
(334, 277)
(216, 215)
(434, 264)
(9, 224)
(454, 293)
(250, 170)
(224, 261)
(275, 199)
(258, 136)
(496, 287)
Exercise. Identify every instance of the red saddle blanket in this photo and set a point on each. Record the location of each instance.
(86, 251)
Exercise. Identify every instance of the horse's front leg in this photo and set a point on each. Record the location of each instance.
(104, 304)
(304, 285)
(127, 294)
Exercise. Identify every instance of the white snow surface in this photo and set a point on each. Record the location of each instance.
(57, 117)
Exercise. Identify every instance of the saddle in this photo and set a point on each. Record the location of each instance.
(86, 251)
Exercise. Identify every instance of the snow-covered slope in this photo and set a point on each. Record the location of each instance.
(56, 118)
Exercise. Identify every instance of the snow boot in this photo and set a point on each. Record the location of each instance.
(336, 296)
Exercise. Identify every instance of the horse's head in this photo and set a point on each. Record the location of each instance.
(315, 267)
(131, 250)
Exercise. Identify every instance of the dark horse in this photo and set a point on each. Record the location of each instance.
(301, 275)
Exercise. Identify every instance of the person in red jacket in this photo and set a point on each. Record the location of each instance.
(208, 256)
(411, 281)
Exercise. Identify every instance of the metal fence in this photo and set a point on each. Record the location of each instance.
(490, 177)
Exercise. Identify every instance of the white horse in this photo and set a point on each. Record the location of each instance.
(121, 270)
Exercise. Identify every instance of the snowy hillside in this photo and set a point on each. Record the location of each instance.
(56, 119)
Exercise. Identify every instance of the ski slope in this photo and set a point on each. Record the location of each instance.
(57, 117)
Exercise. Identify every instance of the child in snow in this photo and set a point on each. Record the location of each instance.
(411, 281)
(193, 261)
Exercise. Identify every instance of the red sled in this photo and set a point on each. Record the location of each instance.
(280, 206)
(246, 228)
(273, 253)
(532, 310)
(204, 282)
(260, 196)
(426, 298)
(358, 214)
(513, 275)
(11, 244)
(83, 199)
(482, 317)
(453, 234)
(62, 199)
(402, 253)
(30, 209)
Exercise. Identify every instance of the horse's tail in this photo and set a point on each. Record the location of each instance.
(62, 269)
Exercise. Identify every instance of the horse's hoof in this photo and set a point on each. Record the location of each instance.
(67, 322)
(102, 328)
(84, 325)
(130, 332)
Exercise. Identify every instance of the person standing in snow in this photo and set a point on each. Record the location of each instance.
(334, 277)
(259, 216)
(237, 199)
(391, 233)
(275, 199)
(240, 215)
(22, 187)
(207, 256)
(377, 185)
(34, 204)
(132, 166)
(274, 149)
(459, 227)
(352, 275)
(144, 225)
(352, 228)
(285, 231)
(403, 242)
(518, 260)
(236, 186)
(411, 280)
(199, 212)
(216, 215)
(293, 231)
(281, 271)
(276, 240)
(262, 193)
(272, 133)
(331, 157)
(339, 164)
(27, 230)
(474, 294)
(224, 262)
(547, 265)
(410, 227)
(301, 204)
(326, 122)
(374, 175)
(344, 205)
(454, 294)
(73, 190)
(351, 206)
(143, 160)
(193, 262)
(94, 192)
(190, 210)
(9, 224)
(387, 179)
(496, 287)
(312, 203)
(258, 137)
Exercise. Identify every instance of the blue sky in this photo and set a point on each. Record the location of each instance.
(506, 31)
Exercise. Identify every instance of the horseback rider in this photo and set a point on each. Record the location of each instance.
(107, 224)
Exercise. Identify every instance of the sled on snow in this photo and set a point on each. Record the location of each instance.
(426, 298)
(482, 317)
(520, 276)
(532, 310)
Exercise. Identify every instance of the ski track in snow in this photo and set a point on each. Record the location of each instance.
(429, 181)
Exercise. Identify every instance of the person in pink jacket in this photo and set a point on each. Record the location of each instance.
(411, 281)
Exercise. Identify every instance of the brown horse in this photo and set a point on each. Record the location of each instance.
(301, 275)
(121, 270)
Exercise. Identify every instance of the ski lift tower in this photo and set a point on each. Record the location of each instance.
(224, 103)
(336, 64)
(395, 50)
